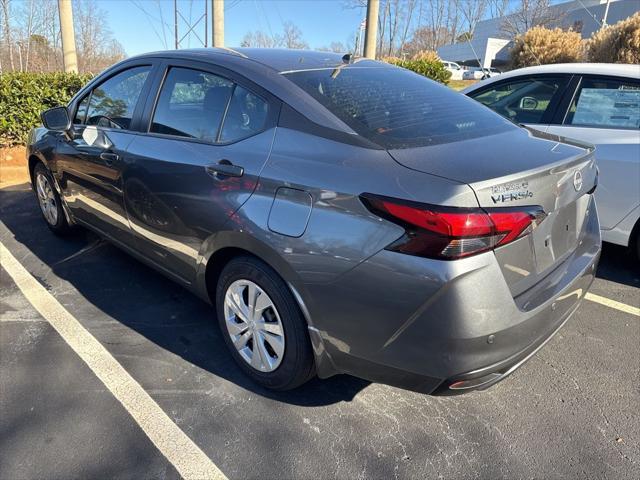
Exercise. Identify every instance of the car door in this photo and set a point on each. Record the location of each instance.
(605, 111)
(527, 100)
(208, 134)
(91, 158)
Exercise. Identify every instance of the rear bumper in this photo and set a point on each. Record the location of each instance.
(427, 325)
(486, 377)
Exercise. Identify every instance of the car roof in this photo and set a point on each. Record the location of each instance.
(265, 66)
(278, 59)
(613, 69)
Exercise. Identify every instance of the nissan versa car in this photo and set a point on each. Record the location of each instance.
(343, 216)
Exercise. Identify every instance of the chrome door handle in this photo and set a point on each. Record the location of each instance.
(109, 157)
(224, 169)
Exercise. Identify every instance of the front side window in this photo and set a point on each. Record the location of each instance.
(112, 103)
(192, 104)
(81, 113)
(396, 108)
(522, 101)
(606, 104)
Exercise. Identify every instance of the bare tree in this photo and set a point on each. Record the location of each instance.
(396, 20)
(95, 44)
(6, 37)
(292, 36)
(31, 36)
(335, 47)
(527, 14)
(472, 11)
(497, 8)
(260, 39)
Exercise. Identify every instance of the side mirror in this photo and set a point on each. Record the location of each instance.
(528, 103)
(56, 118)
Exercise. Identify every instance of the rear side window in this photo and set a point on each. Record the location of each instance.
(192, 104)
(112, 103)
(606, 104)
(246, 115)
(396, 108)
(522, 101)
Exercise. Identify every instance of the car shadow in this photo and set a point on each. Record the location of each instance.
(145, 301)
(618, 264)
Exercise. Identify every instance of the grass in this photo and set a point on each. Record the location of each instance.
(460, 84)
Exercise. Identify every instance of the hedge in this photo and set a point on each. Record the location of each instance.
(428, 66)
(24, 95)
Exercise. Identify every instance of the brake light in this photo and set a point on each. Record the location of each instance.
(448, 233)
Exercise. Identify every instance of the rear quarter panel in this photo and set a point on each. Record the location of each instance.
(340, 232)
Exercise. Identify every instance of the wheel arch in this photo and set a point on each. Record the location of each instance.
(224, 246)
(220, 248)
(634, 239)
(32, 161)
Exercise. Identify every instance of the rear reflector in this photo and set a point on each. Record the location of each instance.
(448, 232)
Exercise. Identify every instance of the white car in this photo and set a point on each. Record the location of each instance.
(591, 102)
(475, 73)
(454, 68)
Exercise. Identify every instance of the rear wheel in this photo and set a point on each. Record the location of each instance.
(262, 325)
(49, 200)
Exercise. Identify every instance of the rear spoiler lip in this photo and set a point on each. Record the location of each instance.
(559, 138)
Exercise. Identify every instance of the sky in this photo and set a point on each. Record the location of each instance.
(136, 24)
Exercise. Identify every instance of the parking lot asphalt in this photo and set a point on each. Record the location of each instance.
(570, 412)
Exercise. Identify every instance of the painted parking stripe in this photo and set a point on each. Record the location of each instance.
(623, 307)
(188, 459)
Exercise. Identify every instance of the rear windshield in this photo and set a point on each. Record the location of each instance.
(396, 108)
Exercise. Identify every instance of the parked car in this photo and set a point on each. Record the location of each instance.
(592, 102)
(343, 217)
(454, 68)
(475, 73)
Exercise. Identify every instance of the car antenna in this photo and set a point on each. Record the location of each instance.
(348, 58)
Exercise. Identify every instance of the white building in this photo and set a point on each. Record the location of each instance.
(490, 44)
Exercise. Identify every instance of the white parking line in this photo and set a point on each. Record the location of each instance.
(623, 307)
(188, 459)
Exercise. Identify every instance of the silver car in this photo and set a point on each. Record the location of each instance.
(342, 216)
(592, 102)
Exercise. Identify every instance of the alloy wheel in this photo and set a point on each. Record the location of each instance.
(47, 199)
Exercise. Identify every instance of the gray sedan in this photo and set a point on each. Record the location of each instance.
(342, 216)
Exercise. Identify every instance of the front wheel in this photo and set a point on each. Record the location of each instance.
(262, 325)
(49, 200)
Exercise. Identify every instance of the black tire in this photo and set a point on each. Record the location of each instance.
(297, 363)
(60, 226)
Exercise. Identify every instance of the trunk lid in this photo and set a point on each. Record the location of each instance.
(521, 169)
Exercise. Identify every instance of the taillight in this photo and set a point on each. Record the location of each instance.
(448, 233)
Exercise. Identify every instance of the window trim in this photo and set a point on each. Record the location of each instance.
(77, 107)
(554, 102)
(567, 106)
(149, 111)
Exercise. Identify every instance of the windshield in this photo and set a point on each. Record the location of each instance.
(396, 108)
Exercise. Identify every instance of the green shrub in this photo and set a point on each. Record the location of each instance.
(619, 43)
(428, 66)
(24, 95)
